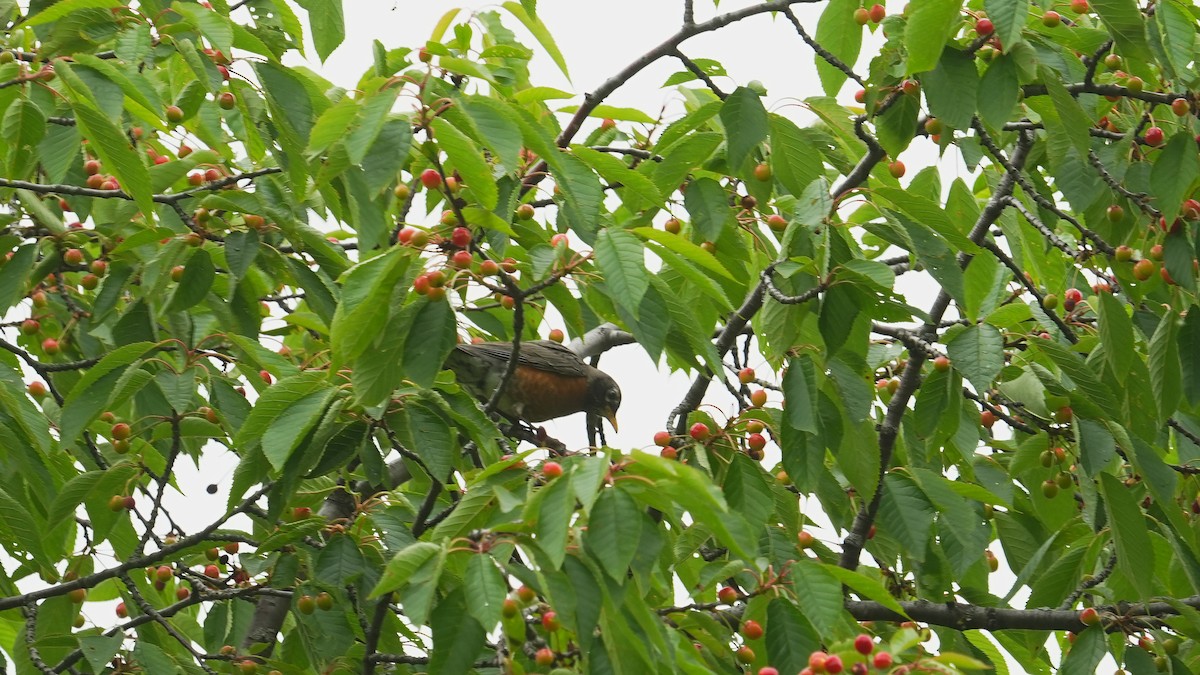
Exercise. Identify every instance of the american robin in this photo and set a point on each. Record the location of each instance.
(550, 380)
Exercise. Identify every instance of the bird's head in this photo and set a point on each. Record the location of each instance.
(603, 397)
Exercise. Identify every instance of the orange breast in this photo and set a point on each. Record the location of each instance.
(543, 395)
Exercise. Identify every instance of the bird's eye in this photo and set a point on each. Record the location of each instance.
(613, 397)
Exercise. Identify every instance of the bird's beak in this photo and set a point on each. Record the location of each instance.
(611, 416)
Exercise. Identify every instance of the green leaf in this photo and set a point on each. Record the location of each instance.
(1073, 122)
(457, 636)
(1189, 358)
(328, 24)
(1167, 362)
(23, 124)
(1174, 170)
(429, 342)
(867, 587)
(108, 141)
(685, 248)
(92, 392)
(799, 387)
(950, 89)
(622, 261)
(795, 162)
(290, 427)
(929, 24)
(906, 513)
(614, 527)
(1085, 380)
(1009, 18)
(553, 515)
(978, 353)
(198, 276)
(998, 91)
(638, 192)
(540, 33)
(427, 434)
(822, 594)
(484, 584)
(20, 526)
(1176, 28)
(1116, 332)
(363, 309)
(1086, 653)
(274, 401)
(1125, 22)
(614, 113)
(682, 158)
(100, 649)
(340, 561)
(14, 275)
(842, 36)
(499, 130)
(708, 205)
(1135, 554)
(745, 121)
(212, 25)
(790, 636)
(401, 568)
(466, 157)
(58, 10)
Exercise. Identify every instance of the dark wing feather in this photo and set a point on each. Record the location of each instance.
(541, 354)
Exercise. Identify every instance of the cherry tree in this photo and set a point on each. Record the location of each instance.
(216, 260)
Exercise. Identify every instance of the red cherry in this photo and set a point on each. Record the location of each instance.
(1072, 295)
(662, 439)
(941, 363)
(985, 27)
(1051, 19)
(73, 256)
(862, 16)
(987, 419)
(806, 539)
(756, 441)
(552, 470)
(544, 657)
(1154, 136)
(746, 375)
(1089, 616)
(227, 100)
(878, 13)
(556, 335)
(1143, 269)
(460, 237)
(751, 630)
(776, 222)
(431, 179)
(461, 259)
(882, 660)
(833, 664)
(699, 431)
(266, 377)
(758, 398)
(896, 169)
(122, 612)
(727, 595)
(212, 571)
(550, 621)
(863, 644)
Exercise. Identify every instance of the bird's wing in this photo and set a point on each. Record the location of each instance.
(541, 354)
